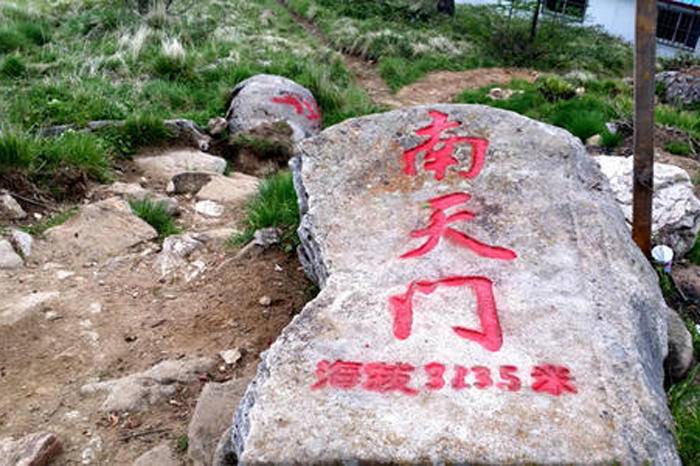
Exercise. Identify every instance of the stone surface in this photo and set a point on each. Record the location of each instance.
(268, 99)
(231, 356)
(136, 392)
(22, 242)
(680, 347)
(676, 213)
(489, 352)
(161, 455)
(135, 192)
(217, 126)
(176, 250)
(101, 230)
(188, 182)
(211, 418)
(9, 259)
(15, 308)
(682, 87)
(164, 166)
(10, 208)
(38, 449)
(209, 209)
(236, 188)
(267, 237)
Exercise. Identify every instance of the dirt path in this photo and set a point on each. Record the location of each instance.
(435, 87)
(67, 321)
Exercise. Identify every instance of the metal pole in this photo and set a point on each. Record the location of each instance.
(644, 87)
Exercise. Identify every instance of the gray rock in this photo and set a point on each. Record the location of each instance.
(160, 455)
(267, 237)
(22, 242)
(217, 126)
(100, 230)
(676, 213)
(189, 132)
(10, 208)
(267, 99)
(234, 189)
(188, 182)
(461, 352)
(209, 209)
(682, 87)
(15, 308)
(176, 250)
(9, 259)
(211, 418)
(680, 347)
(136, 392)
(38, 449)
(164, 166)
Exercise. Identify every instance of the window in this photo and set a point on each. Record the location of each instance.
(573, 8)
(678, 27)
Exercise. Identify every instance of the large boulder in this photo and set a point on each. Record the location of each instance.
(676, 210)
(265, 99)
(681, 87)
(481, 299)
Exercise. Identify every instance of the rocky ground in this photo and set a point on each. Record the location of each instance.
(108, 335)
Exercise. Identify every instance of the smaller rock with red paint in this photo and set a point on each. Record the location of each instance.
(269, 99)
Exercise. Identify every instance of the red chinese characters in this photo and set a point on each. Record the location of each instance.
(439, 151)
(440, 227)
(552, 379)
(489, 336)
(404, 379)
(301, 106)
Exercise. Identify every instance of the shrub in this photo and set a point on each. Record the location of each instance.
(583, 117)
(677, 147)
(13, 67)
(554, 88)
(155, 214)
(274, 206)
(611, 140)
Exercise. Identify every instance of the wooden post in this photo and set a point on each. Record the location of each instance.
(535, 20)
(644, 87)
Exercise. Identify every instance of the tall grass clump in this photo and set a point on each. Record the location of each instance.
(13, 67)
(82, 151)
(16, 151)
(684, 401)
(274, 206)
(155, 214)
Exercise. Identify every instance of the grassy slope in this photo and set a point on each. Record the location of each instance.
(81, 60)
(407, 48)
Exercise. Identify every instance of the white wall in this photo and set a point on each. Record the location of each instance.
(615, 16)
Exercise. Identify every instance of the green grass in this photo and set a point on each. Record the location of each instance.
(684, 401)
(54, 220)
(678, 148)
(13, 67)
(155, 214)
(138, 131)
(407, 43)
(551, 101)
(694, 254)
(274, 206)
(39, 158)
(263, 147)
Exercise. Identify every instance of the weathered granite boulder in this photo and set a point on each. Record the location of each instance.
(681, 87)
(676, 213)
(481, 301)
(266, 98)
